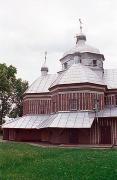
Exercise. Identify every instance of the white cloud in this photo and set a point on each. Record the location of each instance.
(29, 27)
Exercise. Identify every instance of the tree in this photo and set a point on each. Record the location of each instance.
(7, 77)
(11, 91)
(20, 88)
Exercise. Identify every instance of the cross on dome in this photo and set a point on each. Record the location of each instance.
(44, 68)
(80, 36)
(45, 57)
(80, 25)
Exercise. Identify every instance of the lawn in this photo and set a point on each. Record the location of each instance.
(26, 162)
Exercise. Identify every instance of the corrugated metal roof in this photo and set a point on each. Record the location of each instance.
(108, 112)
(78, 73)
(68, 120)
(79, 119)
(41, 84)
(28, 122)
(59, 120)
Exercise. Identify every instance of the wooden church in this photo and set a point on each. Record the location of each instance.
(78, 105)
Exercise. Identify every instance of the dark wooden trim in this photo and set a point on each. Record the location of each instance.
(44, 93)
(102, 87)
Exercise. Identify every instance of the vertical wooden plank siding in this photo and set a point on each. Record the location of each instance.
(36, 107)
(61, 102)
(95, 134)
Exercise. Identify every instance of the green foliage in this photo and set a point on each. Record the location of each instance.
(19, 89)
(21, 161)
(11, 91)
(7, 77)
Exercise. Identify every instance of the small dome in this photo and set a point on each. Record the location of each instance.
(79, 37)
(81, 46)
(78, 73)
(44, 68)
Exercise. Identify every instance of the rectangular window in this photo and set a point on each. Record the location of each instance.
(94, 62)
(73, 104)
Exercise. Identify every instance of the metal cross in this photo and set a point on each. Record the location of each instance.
(80, 25)
(45, 56)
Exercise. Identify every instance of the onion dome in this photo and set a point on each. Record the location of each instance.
(81, 46)
(80, 37)
(44, 70)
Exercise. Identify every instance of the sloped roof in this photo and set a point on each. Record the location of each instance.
(110, 78)
(59, 120)
(69, 120)
(26, 122)
(41, 84)
(108, 112)
(81, 48)
(79, 119)
(78, 73)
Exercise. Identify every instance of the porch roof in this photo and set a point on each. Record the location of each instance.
(59, 120)
(81, 119)
(68, 120)
(108, 112)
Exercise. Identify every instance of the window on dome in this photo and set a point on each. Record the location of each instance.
(73, 104)
(65, 65)
(94, 62)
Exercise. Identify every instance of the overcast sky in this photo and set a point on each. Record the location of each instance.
(28, 28)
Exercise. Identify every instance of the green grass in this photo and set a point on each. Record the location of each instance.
(25, 162)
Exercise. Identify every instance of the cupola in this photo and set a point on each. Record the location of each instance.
(44, 68)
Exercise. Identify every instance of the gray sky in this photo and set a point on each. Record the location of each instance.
(28, 28)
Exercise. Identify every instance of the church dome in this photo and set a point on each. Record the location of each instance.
(78, 73)
(81, 46)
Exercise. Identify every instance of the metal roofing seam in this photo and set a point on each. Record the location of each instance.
(80, 120)
(59, 120)
(75, 119)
